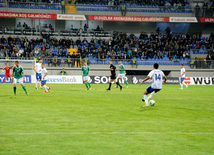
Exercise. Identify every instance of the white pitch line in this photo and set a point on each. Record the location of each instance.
(112, 133)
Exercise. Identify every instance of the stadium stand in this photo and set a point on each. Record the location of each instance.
(165, 49)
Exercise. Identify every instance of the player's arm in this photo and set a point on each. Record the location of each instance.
(182, 74)
(45, 75)
(23, 75)
(13, 73)
(147, 78)
(34, 68)
(165, 78)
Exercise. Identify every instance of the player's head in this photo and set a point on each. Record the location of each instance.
(85, 63)
(17, 63)
(43, 65)
(182, 65)
(7, 65)
(63, 69)
(120, 62)
(156, 66)
(40, 60)
(110, 62)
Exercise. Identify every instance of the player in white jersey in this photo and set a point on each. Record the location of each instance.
(43, 76)
(157, 77)
(182, 76)
(37, 68)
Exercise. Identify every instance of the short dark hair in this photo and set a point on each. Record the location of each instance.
(156, 65)
(182, 64)
(17, 62)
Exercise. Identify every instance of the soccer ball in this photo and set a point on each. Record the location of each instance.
(152, 102)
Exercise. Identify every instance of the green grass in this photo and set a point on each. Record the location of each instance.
(71, 120)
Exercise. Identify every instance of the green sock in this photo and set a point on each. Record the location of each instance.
(86, 85)
(24, 89)
(14, 89)
(117, 82)
(89, 85)
(126, 82)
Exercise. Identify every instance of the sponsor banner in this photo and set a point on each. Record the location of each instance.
(65, 79)
(207, 19)
(27, 79)
(70, 17)
(131, 80)
(199, 80)
(183, 19)
(128, 18)
(27, 15)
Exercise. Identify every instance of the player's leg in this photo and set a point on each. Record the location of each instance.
(5, 78)
(181, 82)
(124, 78)
(86, 84)
(11, 80)
(153, 93)
(43, 84)
(40, 80)
(37, 80)
(89, 85)
(118, 81)
(23, 86)
(184, 83)
(146, 100)
(118, 84)
(110, 82)
(14, 86)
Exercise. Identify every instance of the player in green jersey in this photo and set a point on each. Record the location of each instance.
(18, 74)
(121, 74)
(86, 71)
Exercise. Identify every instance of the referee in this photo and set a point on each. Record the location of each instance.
(113, 76)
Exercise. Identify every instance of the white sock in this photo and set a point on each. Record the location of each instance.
(182, 85)
(45, 87)
(36, 83)
(146, 100)
(151, 95)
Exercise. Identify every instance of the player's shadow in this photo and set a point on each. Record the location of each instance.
(150, 108)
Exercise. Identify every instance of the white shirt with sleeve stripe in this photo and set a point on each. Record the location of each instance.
(183, 71)
(157, 78)
(38, 67)
(44, 71)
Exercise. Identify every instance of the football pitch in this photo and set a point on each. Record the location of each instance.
(72, 120)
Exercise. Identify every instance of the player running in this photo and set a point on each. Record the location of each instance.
(43, 75)
(86, 71)
(121, 74)
(157, 77)
(7, 73)
(18, 73)
(113, 76)
(182, 77)
(37, 68)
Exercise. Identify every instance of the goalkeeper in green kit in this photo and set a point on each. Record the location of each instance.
(18, 73)
(86, 78)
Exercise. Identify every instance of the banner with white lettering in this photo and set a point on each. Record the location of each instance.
(131, 80)
(27, 79)
(65, 79)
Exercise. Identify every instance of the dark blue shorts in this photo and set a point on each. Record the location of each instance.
(182, 79)
(150, 89)
(38, 76)
(43, 81)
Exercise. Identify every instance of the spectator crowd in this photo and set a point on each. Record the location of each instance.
(120, 46)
